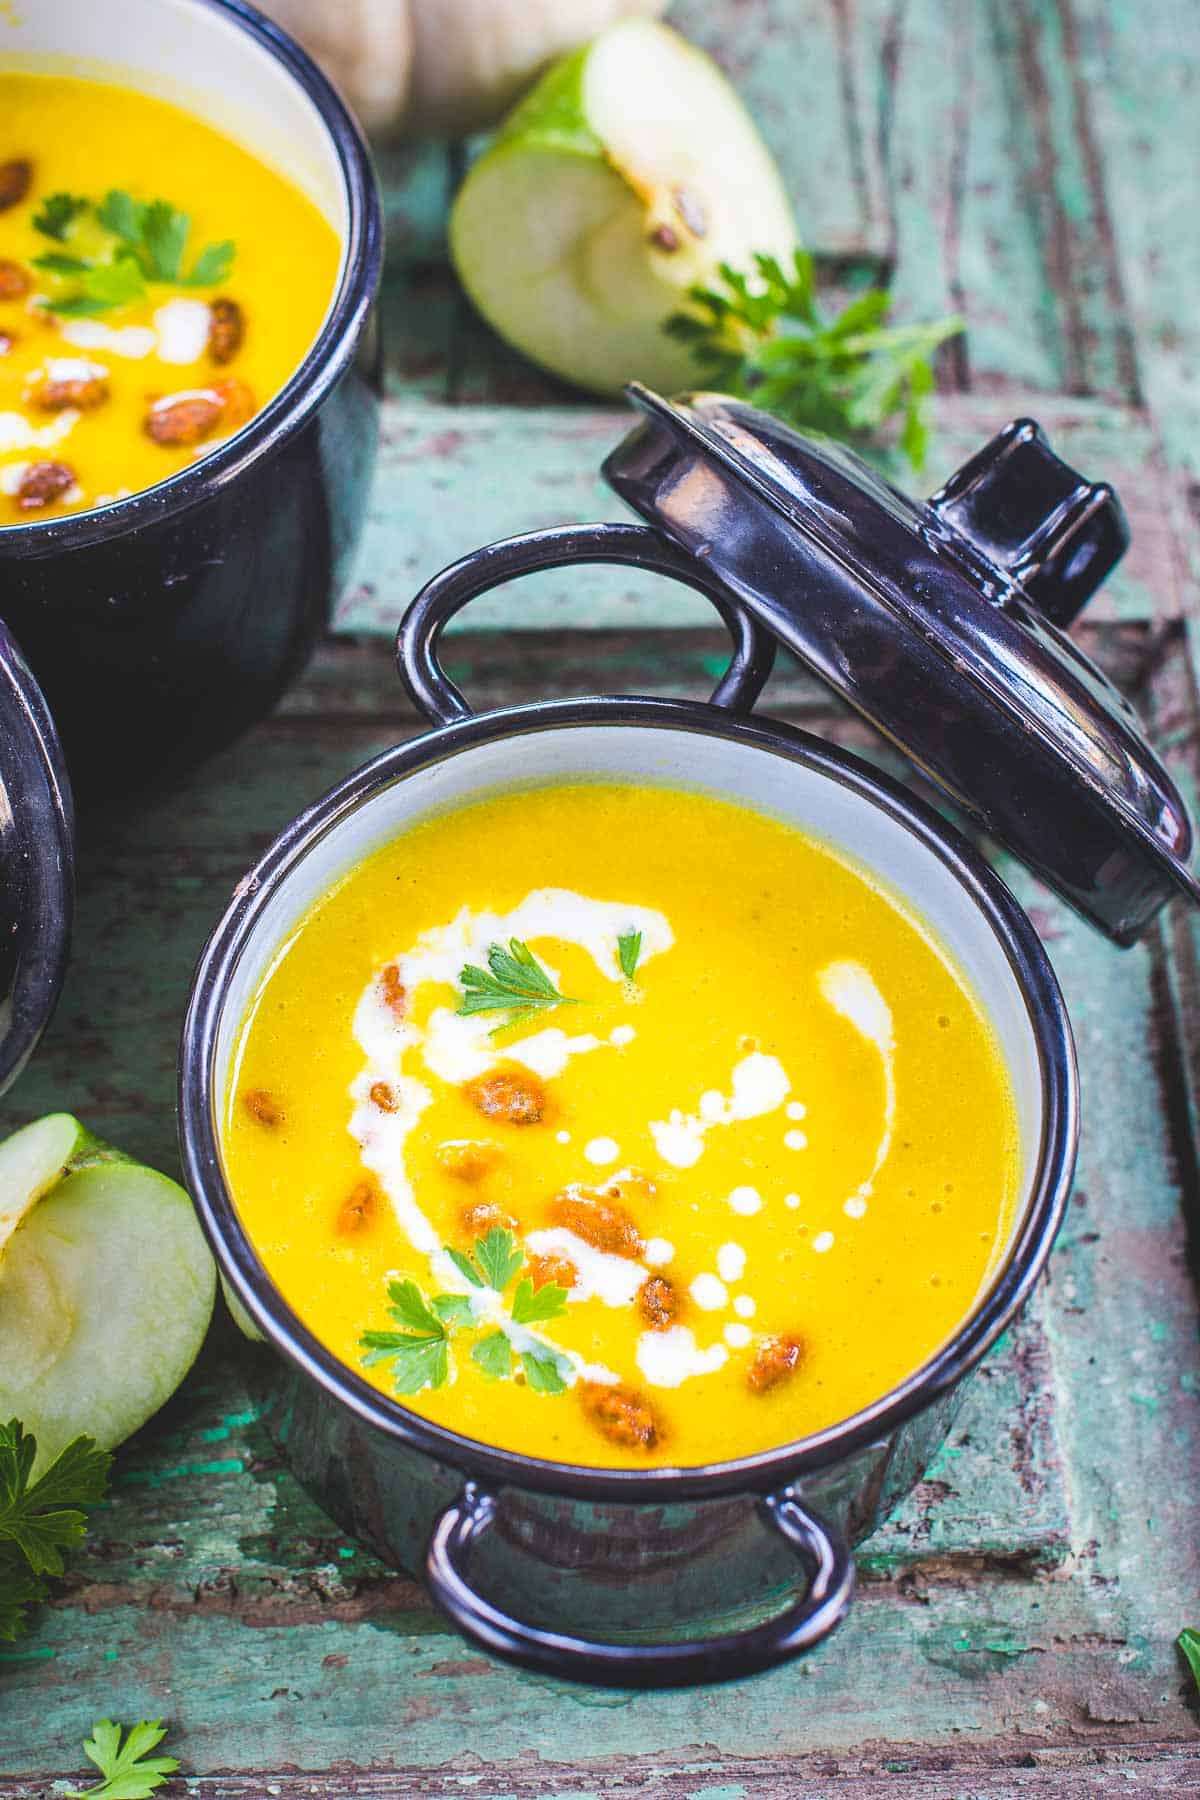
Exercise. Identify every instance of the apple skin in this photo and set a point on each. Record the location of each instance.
(624, 179)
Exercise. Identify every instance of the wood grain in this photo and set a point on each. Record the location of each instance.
(1032, 166)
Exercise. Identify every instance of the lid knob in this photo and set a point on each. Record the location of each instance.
(1028, 511)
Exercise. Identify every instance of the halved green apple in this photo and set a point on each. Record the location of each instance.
(628, 174)
(106, 1287)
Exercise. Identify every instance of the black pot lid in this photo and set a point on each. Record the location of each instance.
(942, 623)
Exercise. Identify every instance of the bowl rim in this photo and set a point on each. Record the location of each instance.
(325, 362)
(1044, 1202)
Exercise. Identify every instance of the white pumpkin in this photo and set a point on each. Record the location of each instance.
(441, 67)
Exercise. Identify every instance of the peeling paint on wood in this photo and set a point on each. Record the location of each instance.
(1034, 167)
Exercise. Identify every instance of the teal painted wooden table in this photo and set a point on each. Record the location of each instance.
(1032, 164)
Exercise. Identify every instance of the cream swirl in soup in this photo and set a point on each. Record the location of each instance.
(589, 1142)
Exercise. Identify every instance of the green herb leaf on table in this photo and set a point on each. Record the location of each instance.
(20, 1589)
(39, 1520)
(514, 982)
(1189, 1644)
(629, 950)
(45, 1519)
(129, 1771)
(535, 1306)
(764, 336)
(493, 1353)
(57, 213)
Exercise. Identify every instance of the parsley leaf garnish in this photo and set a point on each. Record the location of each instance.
(495, 1262)
(416, 1362)
(157, 234)
(101, 287)
(629, 950)
(129, 1771)
(420, 1354)
(493, 1353)
(60, 264)
(762, 335)
(212, 265)
(533, 1306)
(543, 1371)
(39, 1520)
(121, 214)
(57, 212)
(453, 1310)
(164, 232)
(152, 237)
(513, 982)
(1189, 1643)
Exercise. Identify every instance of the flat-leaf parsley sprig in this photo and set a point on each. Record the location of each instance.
(128, 1769)
(40, 1519)
(420, 1350)
(150, 240)
(56, 213)
(514, 982)
(763, 335)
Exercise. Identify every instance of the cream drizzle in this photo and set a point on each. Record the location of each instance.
(613, 1279)
(18, 433)
(760, 1085)
(669, 1358)
(851, 991)
(132, 341)
(182, 328)
(458, 1049)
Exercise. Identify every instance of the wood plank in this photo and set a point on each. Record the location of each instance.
(450, 481)
(217, 1596)
(1139, 65)
(1000, 197)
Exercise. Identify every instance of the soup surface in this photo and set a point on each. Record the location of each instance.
(158, 285)
(745, 1176)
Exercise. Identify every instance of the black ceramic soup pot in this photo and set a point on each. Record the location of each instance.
(162, 625)
(668, 1575)
(139, 636)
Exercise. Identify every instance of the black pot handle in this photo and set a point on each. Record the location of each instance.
(826, 1560)
(421, 627)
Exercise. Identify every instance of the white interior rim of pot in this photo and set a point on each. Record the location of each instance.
(235, 71)
(921, 869)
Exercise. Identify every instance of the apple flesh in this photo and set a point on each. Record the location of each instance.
(106, 1288)
(623, 180)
